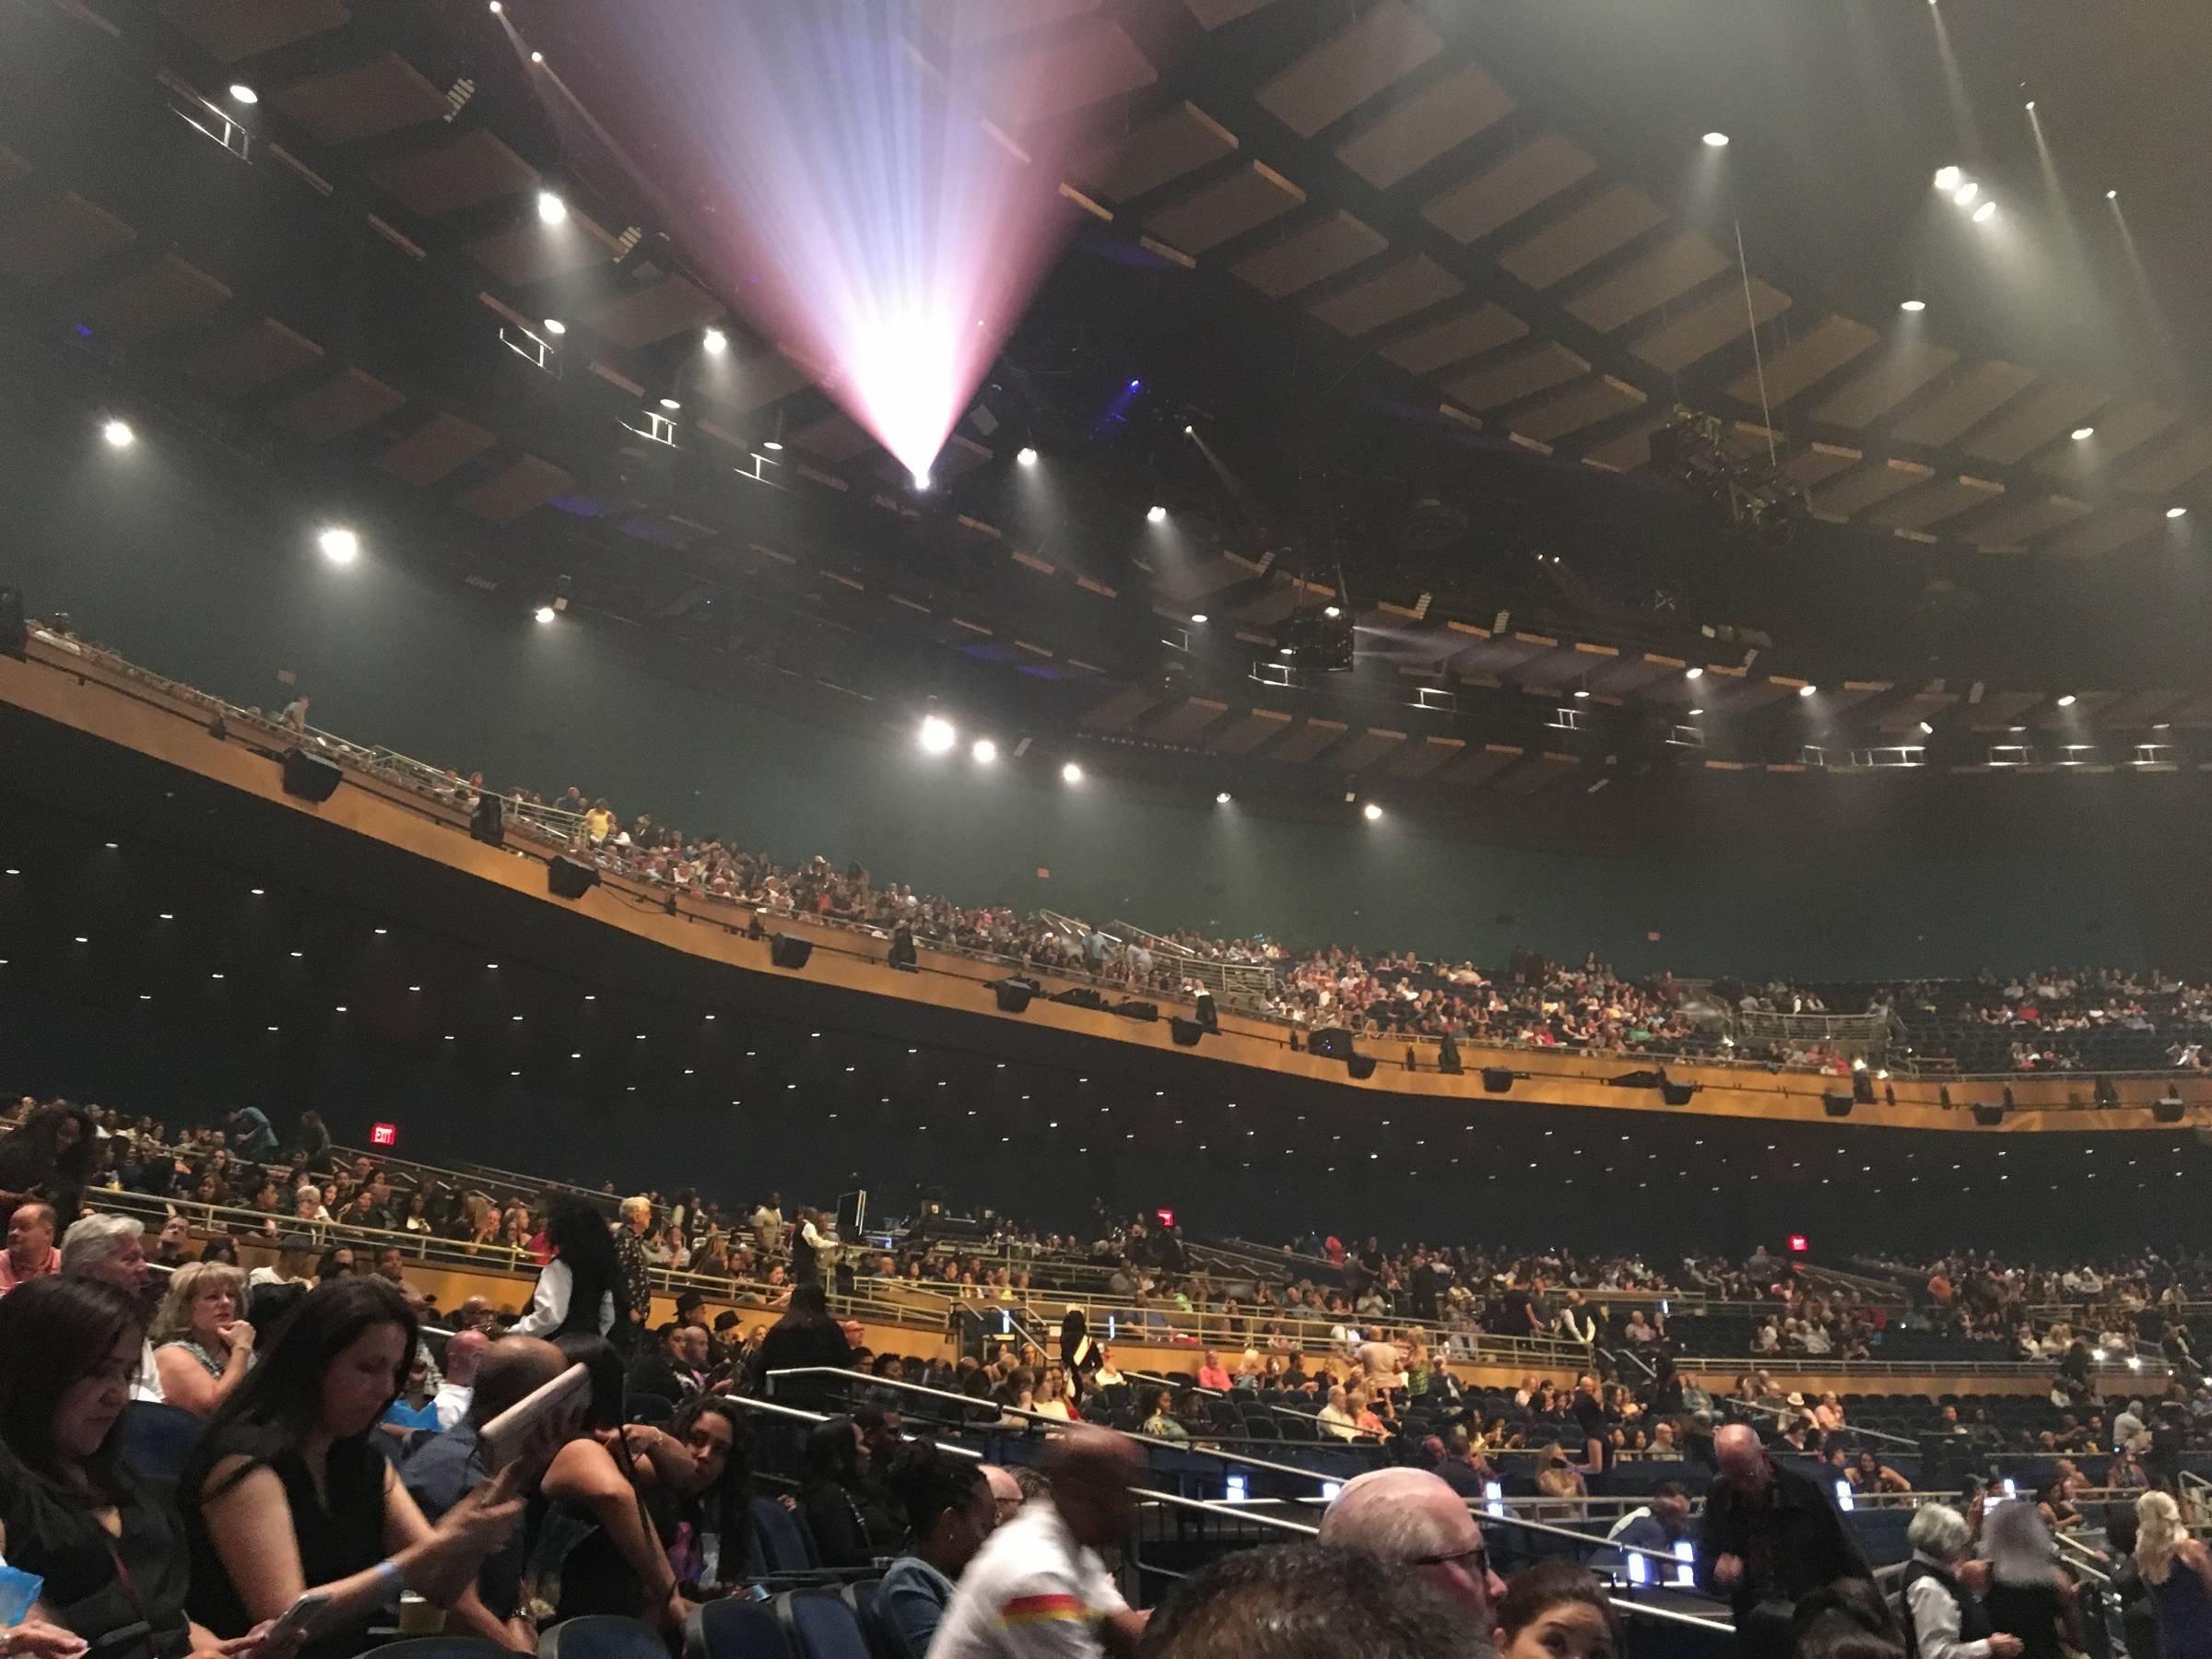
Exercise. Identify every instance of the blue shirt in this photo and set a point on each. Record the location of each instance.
(914, 1595)
(258, 1140)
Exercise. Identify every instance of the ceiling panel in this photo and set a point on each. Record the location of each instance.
(1425, 126)
(2172, 464)
(1181, 724)
(1410, 286)
(2120, 431)
(1322, 250)
(1072, 71)
(1328, 82)
(1910, 365)
(1360, 752)
(1523, 375)
(168, 294)
(1807, 360)
(1933, 502)
(1419, 759)
(1457, 338)
(1673, 268)
(58, 236)
(1246, 733)
(1625, 451)
(1816, 463)
(470, 168)
(1180, 140)
(1856, 491)
(646, 315)
(231, 30)
(836, 438)
(766, 377)
(1308, 740)
(362, 101)
(343, 403)
(1601, 397)
(2051, 411)
(1969, 397)
(1478, 767)
(261, 356)
(1703, 329)
(972, 22)
(1241, 199)
(1214, 14)
(2105, 532)
(1120, 710)
(2020, 521)
(435, 450)
(523, 253)
(1611, 220)
(1538, 771)
(522, 485)
(1493, 198)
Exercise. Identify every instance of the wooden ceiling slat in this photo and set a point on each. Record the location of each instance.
(1672, 269)
(168, 294)
(362, 101)
(1856, 491)
(1072, 70)
(59, 236)
(1520, 376)
(2104, 532)
(471, 167)
(525, 484)
(1324, 249)
(435, 450)
(232, 29)
(1238, 201)
(1601, 397)
(1252, 729)
(1970, 397)
(1180, 140)
(1419, 759)
(2173, 465)
(1935, 501)
(2120, 431)
(2023, 520)
(1457, 338)
(2029, 422)
(343, 403)
(1909, 365)
(1612, 221)
(1422, 127)
(1309, 740)
(1388, 42)
(1704, 329)
(1493, 198)
(1410, 286)
(261, 356)
(1807, 360)
(1122, 709)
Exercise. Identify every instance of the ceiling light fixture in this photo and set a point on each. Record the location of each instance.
(555, 327)
(985, 752)
(2111, 195)
(1155, 515)
(1198, 618)
(118, 434)
(670, 403)
(1071, 774)
(1914, 306)
(2080, 433)
(1026, 455)
(1983, 214)
(771, 443)
(1693, 673)
(1966, 193)
(937, 736)
(1926, 730)
(339, 546)
(1221, 799)
(1716, 141)
(1371, 812)
(1806, 691)
(537, 58)
(2067, 701)
(1948, 177)
(241, 93)
(544, 613)
(551, 209)
(921, 481)
(715, 341)
(2175, 512)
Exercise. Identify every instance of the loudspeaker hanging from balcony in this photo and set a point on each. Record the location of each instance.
(1207, 1016)
(568, 877)
(1014, 994)
(1186, 1032)
(1676, 1094)
(785, 951)
(488, 822)
(1988, 1117)
(310, 777)
(2166, 1110)
(1861, 1086)
(1496, 1079)
(1331, 1043)
(14, 632)
(1362, 1067)
(1836, 1103)
(1447, 1055)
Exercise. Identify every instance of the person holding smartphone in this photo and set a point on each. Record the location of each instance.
(292, 1514)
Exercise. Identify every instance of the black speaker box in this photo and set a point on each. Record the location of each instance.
(568, 877)
(1989, 1117)
(14, 632)
(1836, 1103)
(1362, 1067)
(310, 777)
(1186, 1032)
(1331, 1043)
(488, 822)
(785, 951)
(1014, 994)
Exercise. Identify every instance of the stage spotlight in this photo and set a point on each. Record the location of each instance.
(241, 93)
(1190, 431)
(555, 327)
(1198, 618)
(118, 434)
(1221, 799)
(551, 209)
(1136, 385)
(1806, 691)
(2067, 701)
(937, 736)
(670, 404)
(1071, 774)
(1926, 730)
(2173, 512)
(985, 752)
(496, 7)
(1914, 306)
(2082, 434)
(339, 546)
(772, 444)
(1716, 141)
(544, 614)
(539, 57)
(1026, 455)
(715, 341)
(1693, 673)
(2111, 195)
(1948, 177)
(1582, 693)
(1964, 195)
(1155, 515)
(1983, 214)
(1371, 812)
(921, 481)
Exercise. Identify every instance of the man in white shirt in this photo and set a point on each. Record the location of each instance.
(1037, 1589)
(767, 1225)
(1336, 1417)
(295, 1262)
(463, 1354)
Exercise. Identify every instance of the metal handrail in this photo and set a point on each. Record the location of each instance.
(1895, 1440)
(970, 1403)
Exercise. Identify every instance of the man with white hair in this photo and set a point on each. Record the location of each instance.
(111, 1248)
(1410, 1519)
(1943, 1620)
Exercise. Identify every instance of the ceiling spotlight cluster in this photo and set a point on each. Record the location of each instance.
(1965, 193)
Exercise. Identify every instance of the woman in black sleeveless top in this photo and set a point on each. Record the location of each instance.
(287, 1492)
(2027, 1596)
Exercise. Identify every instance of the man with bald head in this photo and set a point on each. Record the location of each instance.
(1771, 1537)
(1006, 1492)
(1411, 1520)
(464, 1353)
(1037, 1589)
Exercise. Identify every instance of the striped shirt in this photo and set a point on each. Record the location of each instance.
(1032, 1593)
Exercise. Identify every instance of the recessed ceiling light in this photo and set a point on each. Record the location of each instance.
(241, 93)
(1693, 673)
(1716, 141)
(1948, 177)
(1221, 799)
(1964, 195)
(715, 341)
(555, 327)
(1916, 306)
(551, 209)
(544, 614)
(1155, 515)
(2067, 701)
(985, 752)
(670, 403)
(2084, 432)
(1983, 214)
(1071, 774)
(539, 57)
(2173, 512)
(1371, 812)
(340, 546)
(1580, 693)
(770, 443)
(1697, 710)
(2111, 195)
(1198, 616)
(1026, 455)
(1806, 691)
(118, 434)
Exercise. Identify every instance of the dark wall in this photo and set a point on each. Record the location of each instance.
(1844, 877)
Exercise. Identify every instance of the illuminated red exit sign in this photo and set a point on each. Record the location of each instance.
(387, 1134)
(1797, 1245)
(1167, 1218)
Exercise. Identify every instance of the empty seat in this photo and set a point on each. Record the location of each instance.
(734, 1630)
(602, 1636)
(821, 1625)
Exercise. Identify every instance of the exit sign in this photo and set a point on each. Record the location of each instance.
(384, 1134)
